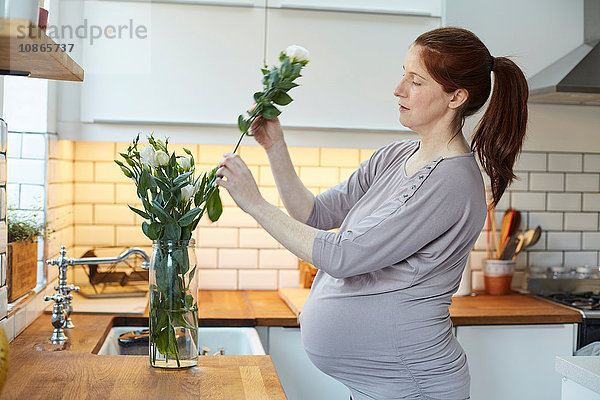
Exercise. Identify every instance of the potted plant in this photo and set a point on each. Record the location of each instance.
(21, 266)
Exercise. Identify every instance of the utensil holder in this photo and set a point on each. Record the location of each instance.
(497, 276)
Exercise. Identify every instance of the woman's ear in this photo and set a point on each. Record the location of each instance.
(458, 98)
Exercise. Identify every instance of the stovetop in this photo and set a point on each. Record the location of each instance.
(587, 303)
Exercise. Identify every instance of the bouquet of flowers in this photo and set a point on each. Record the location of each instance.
(277, 81)
(174, 201)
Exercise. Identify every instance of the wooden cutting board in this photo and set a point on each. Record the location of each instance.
(294, 298)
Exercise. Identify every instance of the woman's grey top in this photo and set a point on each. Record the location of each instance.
(377, 315)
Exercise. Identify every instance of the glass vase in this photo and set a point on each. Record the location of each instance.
(173, 310)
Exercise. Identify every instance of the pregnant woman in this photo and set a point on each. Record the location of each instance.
(377, 316)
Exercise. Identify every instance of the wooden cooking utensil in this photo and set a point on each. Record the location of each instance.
(504, 230)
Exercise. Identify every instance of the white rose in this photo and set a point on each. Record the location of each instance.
(187, 192)
(185, 163)
(297, 53)
(148, 157)
(162, 158)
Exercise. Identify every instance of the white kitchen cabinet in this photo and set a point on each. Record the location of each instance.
(300, 379)
(572, 390)
(516, 361)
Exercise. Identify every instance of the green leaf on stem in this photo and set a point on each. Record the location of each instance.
(270, 112)
(154, 231)
(172, 231)
(139, 212)
(282, 98)
(287, 85)
(213, 205)
(181, 178)
(162, 215)
(188, 217)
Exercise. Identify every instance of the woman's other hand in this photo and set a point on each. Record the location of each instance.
(267, 132)
(240, 183)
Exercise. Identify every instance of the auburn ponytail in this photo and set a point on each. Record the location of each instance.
(457, 59)
(499, 136)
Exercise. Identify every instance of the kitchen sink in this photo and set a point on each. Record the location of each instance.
(211, 340)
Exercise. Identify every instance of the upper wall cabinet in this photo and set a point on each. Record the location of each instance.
(201, 63)
(193, 63)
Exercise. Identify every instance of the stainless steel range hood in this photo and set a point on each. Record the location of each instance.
(575, 78)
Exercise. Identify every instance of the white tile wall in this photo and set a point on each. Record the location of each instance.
(26, 171)
(277, 258)
(237, 258)
(217, 279)
(289, 279)
(34, 146)
(591, 163)
(581, 221)
(583, 182)
(564, 240)
(528, 201)
(531, 162)
(563, 162)
(590, 240)
(564, 201)
(257, 280)
(580, 258)
(546, 258)
(542, 181)
(548, 220)
(591, 202)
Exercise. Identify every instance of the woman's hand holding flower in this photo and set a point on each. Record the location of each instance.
(240, 183)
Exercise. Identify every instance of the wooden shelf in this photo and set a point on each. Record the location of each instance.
(19, 35)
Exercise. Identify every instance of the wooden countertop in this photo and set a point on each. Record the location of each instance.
(481, 309)
(76, 373)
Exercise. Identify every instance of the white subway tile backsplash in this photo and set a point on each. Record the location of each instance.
(549, 221)
(565, 162)
(217, 237)
(583, 182)
(547, 258)
(13, 193)
(14, 144)
(591, 202)
(237, 258)
(476, 259)
(27, 171)
(528, 201)
(206, 258)
(289, 279)
(257, 280)
(521, 182)
(581, 221)
(580, 258)
(591, 241)
(564, 201)
(256, 238)
(32, 197)
(546, 182)
(591, 163)
(217, 279)
(277, 258)
(531, 162)
(477, 280)
(564, 240)
(34, 146)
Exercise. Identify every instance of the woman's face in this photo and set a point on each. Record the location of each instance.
(424, 105)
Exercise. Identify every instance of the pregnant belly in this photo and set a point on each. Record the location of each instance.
(349, 326)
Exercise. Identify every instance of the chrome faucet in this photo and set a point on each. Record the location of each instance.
(64, 299)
